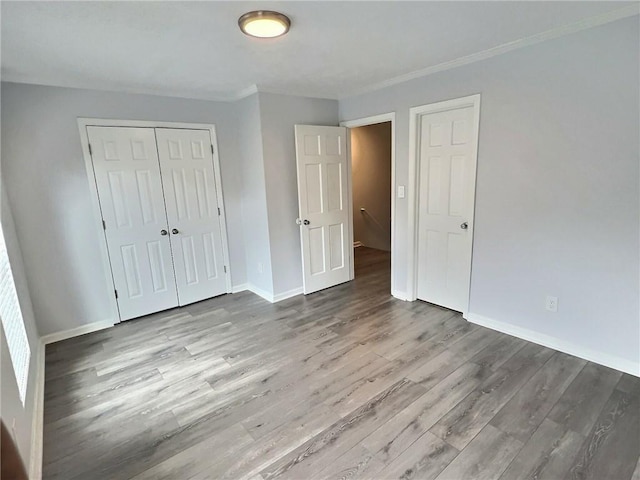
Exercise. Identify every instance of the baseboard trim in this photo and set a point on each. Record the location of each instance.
(243, 287)
(268, 296)
(400, 295)
(284, 295)
(75, 332)
(601, 358)
(37, 425)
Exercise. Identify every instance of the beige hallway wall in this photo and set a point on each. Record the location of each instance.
(371, 171)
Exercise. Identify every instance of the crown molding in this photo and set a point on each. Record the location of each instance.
(557, 32)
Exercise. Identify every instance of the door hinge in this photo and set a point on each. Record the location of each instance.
(90, 152)
(104, 225)
(212, 149)
(116, 292)
(225, 269)
(218, 210)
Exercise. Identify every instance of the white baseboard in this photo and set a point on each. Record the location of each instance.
(270, 297)
(37, 425)
(75, 332)
(400, 295)
(601, 358)
(284, 295)
(240, 288)
(357, 244)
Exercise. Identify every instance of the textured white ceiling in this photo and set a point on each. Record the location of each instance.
(195, 49)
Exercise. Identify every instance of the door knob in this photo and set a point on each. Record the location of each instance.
(163, 232)
(306, 222)
(464, 225)
(175, 231)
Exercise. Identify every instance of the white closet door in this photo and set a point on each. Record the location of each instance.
(125, 162)
(188, 177)
(446, 197)
(321, 155)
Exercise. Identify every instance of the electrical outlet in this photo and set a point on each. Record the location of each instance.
(551, 303)
(400, 191)
(260, 267)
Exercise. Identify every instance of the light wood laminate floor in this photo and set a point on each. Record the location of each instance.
(345, 383)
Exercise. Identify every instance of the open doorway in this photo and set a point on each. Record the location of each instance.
(371, 181)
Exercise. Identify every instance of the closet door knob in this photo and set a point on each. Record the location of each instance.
(175, 231)
(163, 232)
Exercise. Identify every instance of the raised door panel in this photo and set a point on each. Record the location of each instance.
(188, 176)
(322, 190)
(131, 199)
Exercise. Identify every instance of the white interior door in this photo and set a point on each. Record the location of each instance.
(127, 173)
(447, 174)
(321, 154)
(188, 177)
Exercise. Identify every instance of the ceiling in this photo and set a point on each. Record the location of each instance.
(334, 49)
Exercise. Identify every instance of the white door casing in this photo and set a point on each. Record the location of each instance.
(127, 175)
(321, 154)
(193, 213)
(447, 139)
(362, 122)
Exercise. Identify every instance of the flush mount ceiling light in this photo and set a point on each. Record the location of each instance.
(264, 24)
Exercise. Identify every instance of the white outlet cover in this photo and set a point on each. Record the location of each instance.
(400, 191)
(551, 303)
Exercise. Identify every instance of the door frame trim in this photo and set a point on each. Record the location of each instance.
(363, 122)
(83, 123)
(414, 174)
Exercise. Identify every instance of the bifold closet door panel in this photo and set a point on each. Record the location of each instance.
(186, 165)
(127, 173)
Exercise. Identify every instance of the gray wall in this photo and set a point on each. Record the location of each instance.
(371, 174)
(557, 200)
(11, 407)
(279, 114)
(46, 180)
(254, 196)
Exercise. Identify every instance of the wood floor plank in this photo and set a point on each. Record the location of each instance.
(486, 457)
(582, 402)
(357, 463)
(548, 455)
(462, 423)
(476, 341)
(278, 443)
(522, 415)
(103, 459)
(424, 459)
(497, 354)
(203, 456)
(412, 422)
(629, 384)
(344, 434)
(612, 448)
